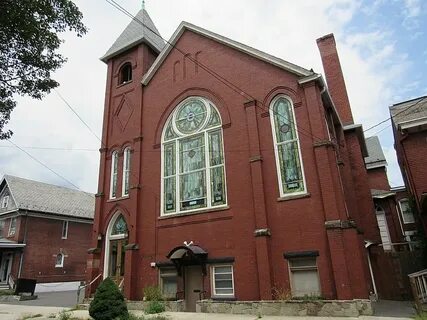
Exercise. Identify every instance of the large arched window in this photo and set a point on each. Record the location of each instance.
(286, 147)
(193, 173)
(114, 173)
(126, 172)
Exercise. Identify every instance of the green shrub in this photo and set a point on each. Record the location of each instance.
(153, 294)
(108, 302)
(155, 307)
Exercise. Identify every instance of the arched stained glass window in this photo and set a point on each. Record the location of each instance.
(120, 226)
(113, 178)
(286, 145)
(126, 172)
(193, 173)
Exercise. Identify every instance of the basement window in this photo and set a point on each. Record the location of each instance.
(304, 277)
(169, 283)
(125, 74)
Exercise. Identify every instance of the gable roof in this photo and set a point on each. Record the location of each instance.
(47, 198)
(140, 29)
(409, 111)
(293, 68)
(375, 158)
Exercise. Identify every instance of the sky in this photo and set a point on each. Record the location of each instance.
(382, 46)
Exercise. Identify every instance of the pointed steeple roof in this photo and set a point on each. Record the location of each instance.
(140, 29)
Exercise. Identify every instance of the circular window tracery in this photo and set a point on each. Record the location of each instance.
(192, 116)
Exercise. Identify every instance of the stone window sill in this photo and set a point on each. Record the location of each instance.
(294, 197)
(118, 199)
(184, 214)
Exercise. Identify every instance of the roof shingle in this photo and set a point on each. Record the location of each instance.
(140, 29)
(375, 156)
(48, 198)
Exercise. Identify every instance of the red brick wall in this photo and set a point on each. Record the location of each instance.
(44, 241)
(378, 179)
(296, 225)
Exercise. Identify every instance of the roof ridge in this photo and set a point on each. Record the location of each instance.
(136, 32)
(48, 184)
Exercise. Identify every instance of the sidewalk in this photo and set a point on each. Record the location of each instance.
(15, 312)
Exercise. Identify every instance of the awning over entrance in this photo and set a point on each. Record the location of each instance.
(8, 244)
(187, 256)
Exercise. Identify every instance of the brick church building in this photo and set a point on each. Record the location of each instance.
(228, 173)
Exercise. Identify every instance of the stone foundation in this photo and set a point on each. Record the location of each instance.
(325, 308)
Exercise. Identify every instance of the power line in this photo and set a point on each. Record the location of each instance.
(226, 82)
(52, 148)
(404, 110)
(44, 165)
(220, 78)
(75, 112)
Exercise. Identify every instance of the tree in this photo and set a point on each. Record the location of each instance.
(108, 302)
(28, 48)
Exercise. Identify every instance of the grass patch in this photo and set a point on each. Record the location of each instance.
(421, 316)
(8, 292)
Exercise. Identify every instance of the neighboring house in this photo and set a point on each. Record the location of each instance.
(391, 248)
(228, 189)
(409, 120)
(45, 232)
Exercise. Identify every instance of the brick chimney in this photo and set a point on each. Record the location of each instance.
(334, 77)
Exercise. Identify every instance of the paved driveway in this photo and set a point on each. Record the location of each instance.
(51, 299)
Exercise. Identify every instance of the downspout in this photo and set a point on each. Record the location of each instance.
(21, 259)
(367, 245)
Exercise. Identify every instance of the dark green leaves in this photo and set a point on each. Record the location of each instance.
(28, 48)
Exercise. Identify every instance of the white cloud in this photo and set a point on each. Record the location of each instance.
(287, 29)
(412, 8)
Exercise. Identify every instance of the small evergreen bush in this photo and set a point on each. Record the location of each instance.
(108, 302)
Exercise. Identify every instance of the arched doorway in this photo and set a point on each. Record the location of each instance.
(115, 241)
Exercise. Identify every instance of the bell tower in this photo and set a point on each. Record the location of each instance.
(128, 59)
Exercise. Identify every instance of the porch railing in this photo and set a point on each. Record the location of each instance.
(81, 287)
(11, 281)
(418, 282)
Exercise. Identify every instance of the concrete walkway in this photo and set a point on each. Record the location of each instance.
(14, 312)
(385, 310)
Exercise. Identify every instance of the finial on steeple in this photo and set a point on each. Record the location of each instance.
(143, 4)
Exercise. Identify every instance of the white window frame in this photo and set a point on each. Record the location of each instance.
(207, 168)
(276, 148)
(304, 268)
(167, 273)
(114, 173)
(61, 265)
(126, 171)
(214, 294)
(64, 227)
(4, 202)
(12, 231)
(387, 245)
(108, 238)
(401, 211)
